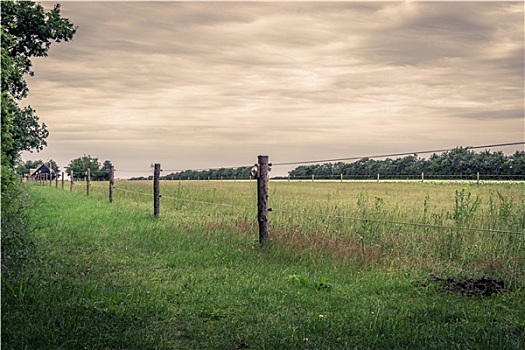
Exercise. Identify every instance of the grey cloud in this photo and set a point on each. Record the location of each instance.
(195, 73)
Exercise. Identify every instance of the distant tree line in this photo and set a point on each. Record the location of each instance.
(459, 162)
(211, 174)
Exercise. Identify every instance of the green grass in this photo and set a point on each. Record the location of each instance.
(110, 276)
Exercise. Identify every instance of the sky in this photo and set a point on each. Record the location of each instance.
(196, 85)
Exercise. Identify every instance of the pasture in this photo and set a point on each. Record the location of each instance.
(349, 265)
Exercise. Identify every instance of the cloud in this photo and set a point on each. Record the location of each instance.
(291, 79)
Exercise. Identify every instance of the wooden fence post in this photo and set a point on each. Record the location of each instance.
(341, 177)
(88, 181)
(62, 180)
(71, 174)
(111, 182)
(156, 190)
(377, 177)
(422, 177)
(477, 178)
(313, 176)
(262, 198)
(50, 178)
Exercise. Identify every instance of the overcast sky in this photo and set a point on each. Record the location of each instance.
(196, 85)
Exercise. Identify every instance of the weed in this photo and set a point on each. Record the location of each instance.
(465, 207)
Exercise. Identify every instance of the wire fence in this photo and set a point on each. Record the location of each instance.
(471, 222)
(276, 210)
(83, 176)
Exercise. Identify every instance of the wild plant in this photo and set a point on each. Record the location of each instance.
(371, 226)
(465, 207)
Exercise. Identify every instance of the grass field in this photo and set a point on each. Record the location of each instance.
(347, 267)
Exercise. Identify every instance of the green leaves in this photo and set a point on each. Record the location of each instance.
(80, 165)
(26, 32)
(322, 284)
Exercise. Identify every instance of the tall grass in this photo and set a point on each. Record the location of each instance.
(445, 228)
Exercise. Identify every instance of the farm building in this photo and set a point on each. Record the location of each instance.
(41, 173)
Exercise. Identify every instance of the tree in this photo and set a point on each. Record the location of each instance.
(104, 173)
(517, 166)
(27, 31)
(80, 165)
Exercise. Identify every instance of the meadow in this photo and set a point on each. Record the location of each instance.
(350, 265)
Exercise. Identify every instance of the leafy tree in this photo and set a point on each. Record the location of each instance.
(80, 165)
(517, 165)
(27, 31)
(104, 172)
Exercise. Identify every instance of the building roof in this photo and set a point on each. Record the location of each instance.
(42, 169)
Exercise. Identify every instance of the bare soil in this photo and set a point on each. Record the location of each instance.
(484, 286)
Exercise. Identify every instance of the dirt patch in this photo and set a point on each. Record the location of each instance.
(485, 286)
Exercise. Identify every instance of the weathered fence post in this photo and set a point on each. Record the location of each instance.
(313, 176)
(71, 174)
(62, 179)
(377, 177)
(341, 177)
(262, 198)
(156, 190)
(422, 177)
(477, 178)
(88, 181)
(50, 178)
(111, 182)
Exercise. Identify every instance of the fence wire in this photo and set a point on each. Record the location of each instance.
(329, 217)
(406, 223)
(342, 177)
